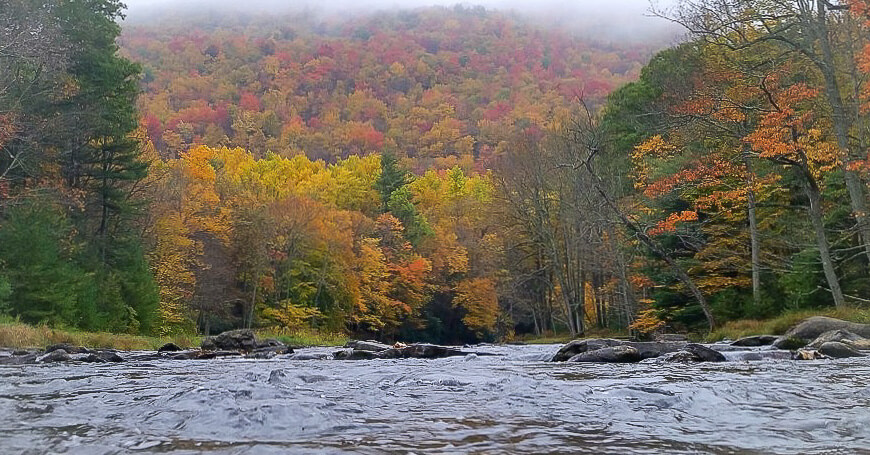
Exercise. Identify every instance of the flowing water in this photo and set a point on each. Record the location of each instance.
(512, 403)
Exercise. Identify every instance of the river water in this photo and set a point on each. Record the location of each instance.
(512, 403)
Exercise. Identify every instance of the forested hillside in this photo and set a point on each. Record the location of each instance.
(336, 171)
(441, 174)
(437, 87)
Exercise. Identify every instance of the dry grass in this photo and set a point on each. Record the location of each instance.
(305, 337)
(780, 324)
(22, 336)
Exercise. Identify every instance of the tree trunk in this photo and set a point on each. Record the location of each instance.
(841, 124)
(815, 211)
(658, 251)
(754, 239)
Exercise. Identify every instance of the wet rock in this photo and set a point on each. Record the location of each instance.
(25, 359)
(753, 341)
(307, 356)
(789, 343)
(704, 354)
(238, 340)
(647, 349)
(862, 345)
(354, 354)
(807, 354)
(838, 350)
(109, 356)
(268, 352)
(70, 349)
(756, 356)
(671, 337)
(613, 354)
(580, 346)
(372, 346)
(169, 347)
(89, 358)
(55, 355)
(269, 343)
(23, 352)
(420, 351)
(691, 353)
(675, 357)
(840, 336)
(809, 329)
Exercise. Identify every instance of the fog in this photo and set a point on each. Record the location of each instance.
(627, 20)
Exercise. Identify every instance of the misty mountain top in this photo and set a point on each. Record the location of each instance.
(622, 20)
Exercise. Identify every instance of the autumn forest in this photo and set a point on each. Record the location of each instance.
(442, 174)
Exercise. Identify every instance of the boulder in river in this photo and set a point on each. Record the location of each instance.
(55, 355)
(233, 340)
(754, 341)
(70, 349)
(420, 351)
(354, 354)
(689, 354)
(838, 350)
(809, 329)
(646, 349)
(372, 346)
(840, 336)
(612, 354)
(703, 353)
(169, 347)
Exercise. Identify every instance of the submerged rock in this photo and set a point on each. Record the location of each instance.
(754, 341)
(612, 354)
(838, 350)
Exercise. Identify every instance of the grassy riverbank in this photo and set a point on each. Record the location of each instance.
(780, 324)
(24, 336)
(18, 335)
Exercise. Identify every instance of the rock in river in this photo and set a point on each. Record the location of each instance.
(840, 336)
(612, 354)
(838, 350)
(169, 347)
(372, 346)
(754, 341)
(233, 340)
(810, 328)
(646, 349)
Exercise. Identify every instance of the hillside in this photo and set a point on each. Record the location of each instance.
(438, 86)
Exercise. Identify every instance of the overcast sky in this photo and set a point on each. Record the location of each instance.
(618, 19)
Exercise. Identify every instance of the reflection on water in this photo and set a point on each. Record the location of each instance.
(513, 403)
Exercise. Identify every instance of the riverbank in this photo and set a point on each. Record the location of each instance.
(18, 335)
(733, 330)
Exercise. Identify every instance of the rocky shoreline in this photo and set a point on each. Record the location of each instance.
(235, 343)
(814, 338)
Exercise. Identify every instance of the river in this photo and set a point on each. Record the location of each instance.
(511, 403)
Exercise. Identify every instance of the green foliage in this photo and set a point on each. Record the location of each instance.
(401, 205)
(40, 257)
